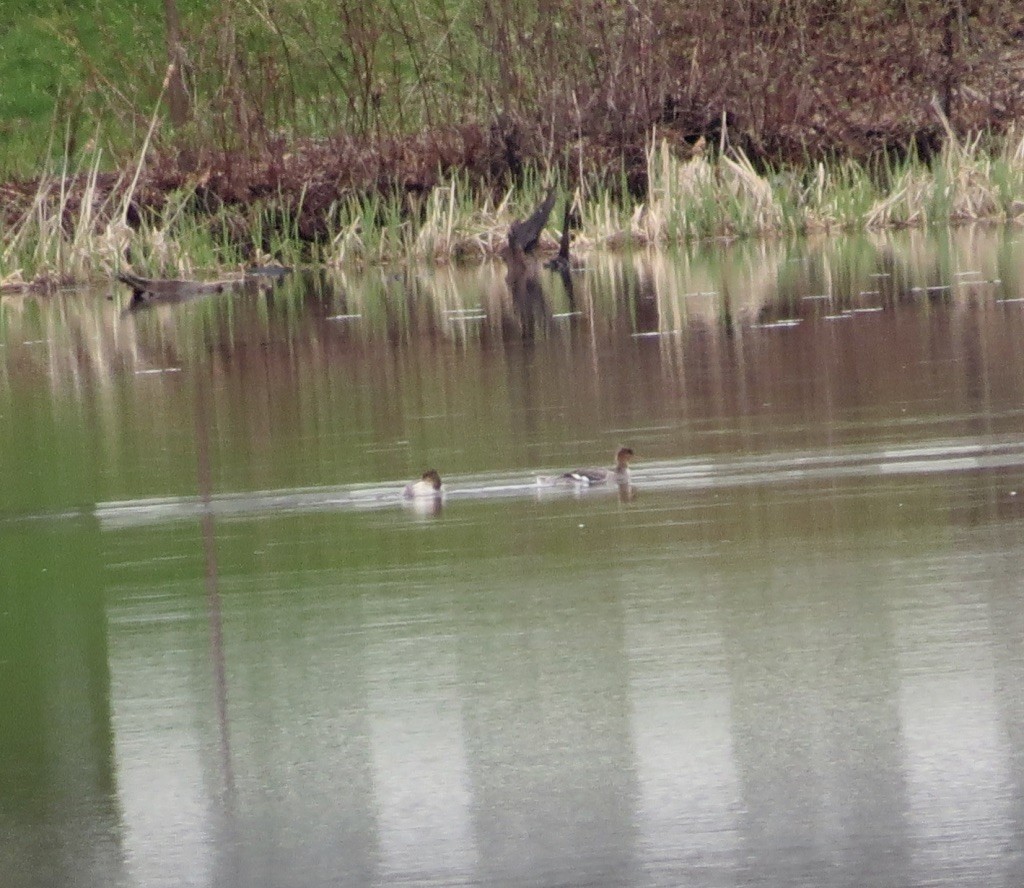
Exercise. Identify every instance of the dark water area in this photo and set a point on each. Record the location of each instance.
(788, 652)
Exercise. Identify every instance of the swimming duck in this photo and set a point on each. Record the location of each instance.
(428, 485)
(619, 474)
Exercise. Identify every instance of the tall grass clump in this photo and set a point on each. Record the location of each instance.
(1007, 177)
(839, 194)
(366, 229)
(65, 232)
(452, 224)
(723, 195)
(968, 180)
(727, 195)
(454, 221)
(271, 230)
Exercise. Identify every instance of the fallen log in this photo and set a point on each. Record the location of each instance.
(175, 289)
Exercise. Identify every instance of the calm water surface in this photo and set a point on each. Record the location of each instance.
(791, 653)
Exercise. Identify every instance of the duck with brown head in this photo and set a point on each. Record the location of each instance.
(429, 484)
(619, 473)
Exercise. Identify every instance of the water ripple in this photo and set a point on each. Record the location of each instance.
(933, 458)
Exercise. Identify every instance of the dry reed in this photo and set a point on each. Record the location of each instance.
(73, 233)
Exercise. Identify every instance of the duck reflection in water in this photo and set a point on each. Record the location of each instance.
(523, 269)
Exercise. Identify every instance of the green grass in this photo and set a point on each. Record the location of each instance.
(565, 72)
(308, 67)
(73, 62)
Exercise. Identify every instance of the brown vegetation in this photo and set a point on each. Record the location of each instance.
(579, 86)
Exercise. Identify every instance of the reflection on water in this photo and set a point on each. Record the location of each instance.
(790, 654)
(734, 702)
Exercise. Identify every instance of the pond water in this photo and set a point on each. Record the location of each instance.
(789, 652)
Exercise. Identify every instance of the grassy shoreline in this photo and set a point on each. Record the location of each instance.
(338, 133)
(83, 226)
